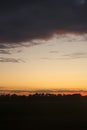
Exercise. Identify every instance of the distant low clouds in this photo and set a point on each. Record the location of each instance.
(25, 20)
(11, 60)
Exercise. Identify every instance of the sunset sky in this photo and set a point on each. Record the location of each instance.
(43, 45)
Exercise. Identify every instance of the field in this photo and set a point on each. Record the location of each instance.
(43, 112)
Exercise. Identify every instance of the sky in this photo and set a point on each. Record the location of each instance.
(43, 45)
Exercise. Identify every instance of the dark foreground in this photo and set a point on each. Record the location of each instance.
(43, 112)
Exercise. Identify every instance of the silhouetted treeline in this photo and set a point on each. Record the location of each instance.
(42, 97)
(43, 112)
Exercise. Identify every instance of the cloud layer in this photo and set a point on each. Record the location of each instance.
(12, 60)
(4, 51)
(25, 20)
(69, 56)
(76, 55)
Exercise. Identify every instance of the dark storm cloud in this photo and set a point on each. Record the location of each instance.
(13, 60)
(25, 20)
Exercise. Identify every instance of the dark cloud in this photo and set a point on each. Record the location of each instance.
(13, 60)
(80, 2)
(26, 20)
(8, 46)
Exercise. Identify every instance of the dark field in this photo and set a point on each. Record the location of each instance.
(43, 112)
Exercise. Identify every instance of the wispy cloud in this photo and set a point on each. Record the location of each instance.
(70, 56)
(13, 60)
(5, 51)
(76, 55)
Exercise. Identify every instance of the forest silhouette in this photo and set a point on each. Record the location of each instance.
(43, 111)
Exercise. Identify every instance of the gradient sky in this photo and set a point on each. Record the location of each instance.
(57, 63)
(43, 45)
